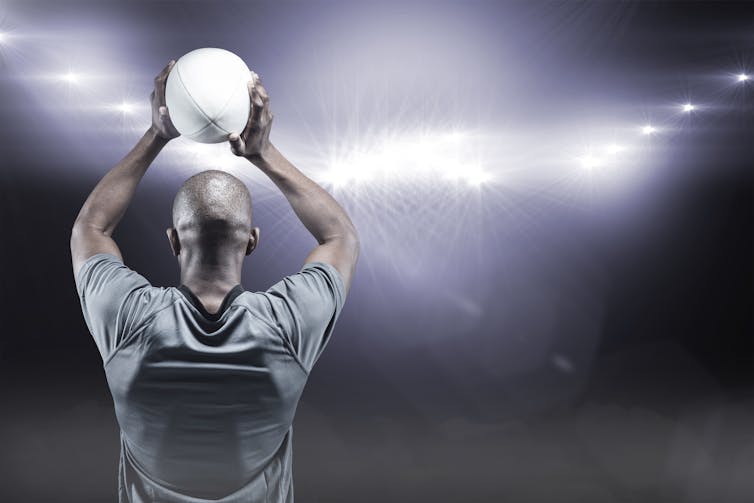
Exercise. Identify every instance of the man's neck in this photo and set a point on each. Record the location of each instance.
(210, 278)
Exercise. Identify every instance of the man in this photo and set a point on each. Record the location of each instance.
(205, 377)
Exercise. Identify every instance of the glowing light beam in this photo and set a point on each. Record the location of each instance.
(423, 156)
(125, 108)
(590, 162)
(71, 77)
(648, 129)
(742, 77)
(688, 107)
(613, 149)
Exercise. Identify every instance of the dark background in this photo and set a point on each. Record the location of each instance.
(546, 349)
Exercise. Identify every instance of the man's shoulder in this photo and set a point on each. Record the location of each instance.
(256, 304)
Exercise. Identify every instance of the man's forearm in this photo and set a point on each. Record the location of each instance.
(320, 213)
(109, 200)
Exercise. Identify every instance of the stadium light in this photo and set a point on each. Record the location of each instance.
(613, 149)
(126, 108)
(70, 77)
(590, 162)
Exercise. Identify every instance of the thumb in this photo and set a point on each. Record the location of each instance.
(237, 144)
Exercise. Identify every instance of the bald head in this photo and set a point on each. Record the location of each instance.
(212, 212)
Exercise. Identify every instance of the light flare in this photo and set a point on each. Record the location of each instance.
(443, 156)
(71, 77)
(125, 107)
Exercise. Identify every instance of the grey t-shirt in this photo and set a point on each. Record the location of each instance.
(205, 403)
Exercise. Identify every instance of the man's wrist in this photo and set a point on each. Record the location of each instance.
(264, 157)
(155, 137)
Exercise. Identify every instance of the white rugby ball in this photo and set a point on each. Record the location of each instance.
(207, 95)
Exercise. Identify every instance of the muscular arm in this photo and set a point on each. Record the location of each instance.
(318, 211)
(105, 206)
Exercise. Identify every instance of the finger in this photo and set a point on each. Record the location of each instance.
(253, 104)
(265, 113)
(249, 122)
(266, 119)
(160, 81)
(165, 71)
(267, 130)
(237, 145)
(257, 107)
(262, 93)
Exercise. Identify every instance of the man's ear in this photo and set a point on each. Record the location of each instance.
(253, 240)
(175, 244)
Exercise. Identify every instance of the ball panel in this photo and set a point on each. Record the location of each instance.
(185, 115)
(209, 134)
(210, 76)
(234, 117)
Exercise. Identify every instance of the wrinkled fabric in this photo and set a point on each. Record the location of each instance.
(206, 407)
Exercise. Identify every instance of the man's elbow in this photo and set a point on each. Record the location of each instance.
(352, 242)
(350, 237)
(347, 240)
(79, 232)
(82, 233)
(84, 225)
(76, 231)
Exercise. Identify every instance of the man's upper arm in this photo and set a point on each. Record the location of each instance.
(305, 306)
(114, 299)
(87, 241)
(341, 253)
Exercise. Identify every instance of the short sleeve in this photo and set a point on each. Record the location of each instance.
(114, 300)
(306, 305)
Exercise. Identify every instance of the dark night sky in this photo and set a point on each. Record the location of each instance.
(537, 339)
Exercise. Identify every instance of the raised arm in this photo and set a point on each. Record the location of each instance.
(108, 201)
(315, 207)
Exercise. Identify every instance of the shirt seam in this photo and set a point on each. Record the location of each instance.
(203, 311)
(340, 286)
(136, 332)
(278, 330)
(140, 329)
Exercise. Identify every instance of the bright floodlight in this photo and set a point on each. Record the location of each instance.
(648, 129)
(590, 162)
(613, 149)
(477, 177)
(742, 77)
(425, 156)
(688, 107)
(3, 37)
(125, 108)
(70, 77)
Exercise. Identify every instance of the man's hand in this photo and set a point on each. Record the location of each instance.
(254, 141)
(161, 123)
